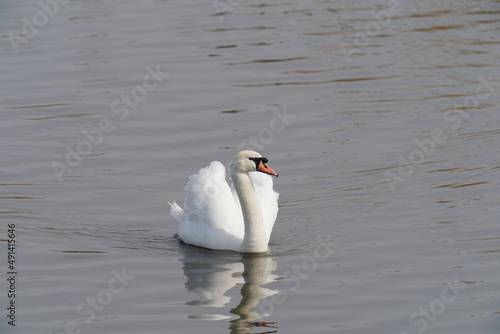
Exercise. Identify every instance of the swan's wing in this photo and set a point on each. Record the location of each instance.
(208, 196)
(268, 198)
(210, 216)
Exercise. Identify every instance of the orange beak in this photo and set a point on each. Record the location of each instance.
(264, 168)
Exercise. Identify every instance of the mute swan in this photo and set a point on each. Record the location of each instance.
(239, 217)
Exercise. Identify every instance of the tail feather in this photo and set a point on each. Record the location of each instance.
(176, 212)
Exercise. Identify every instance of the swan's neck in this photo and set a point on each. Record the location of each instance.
(256, 238)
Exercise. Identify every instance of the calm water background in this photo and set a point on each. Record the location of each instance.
(414, 239)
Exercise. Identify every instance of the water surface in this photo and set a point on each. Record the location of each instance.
(380, 117)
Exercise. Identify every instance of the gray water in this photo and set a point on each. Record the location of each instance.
(381, 118)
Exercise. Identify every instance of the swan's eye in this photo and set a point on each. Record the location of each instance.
(257, 161)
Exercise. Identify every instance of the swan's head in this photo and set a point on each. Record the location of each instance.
(250, 161)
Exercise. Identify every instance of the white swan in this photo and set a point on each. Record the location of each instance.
(239, 217)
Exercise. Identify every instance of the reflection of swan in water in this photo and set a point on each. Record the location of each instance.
(211, 274)
(255, 273)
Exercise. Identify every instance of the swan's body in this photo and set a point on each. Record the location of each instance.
(239, 217)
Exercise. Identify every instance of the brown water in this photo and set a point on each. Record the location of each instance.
(381, 118)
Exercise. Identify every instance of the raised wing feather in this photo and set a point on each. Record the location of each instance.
(210, 212)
